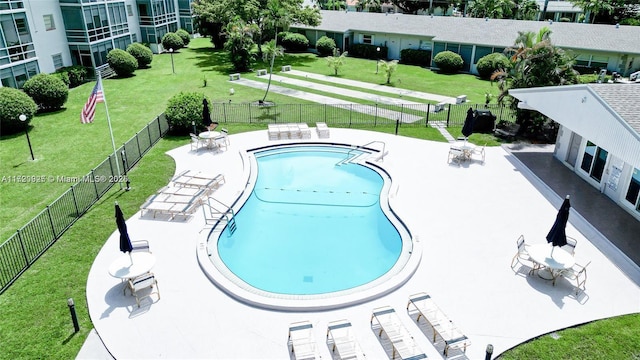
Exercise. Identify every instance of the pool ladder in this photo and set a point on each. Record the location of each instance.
(225, 214)
(351, 158)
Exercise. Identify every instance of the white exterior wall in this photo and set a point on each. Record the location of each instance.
(47, 43)
(134, 25)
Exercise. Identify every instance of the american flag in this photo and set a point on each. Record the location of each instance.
(89, 109)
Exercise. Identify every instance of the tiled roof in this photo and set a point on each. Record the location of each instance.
(623, 99)
(495, 32)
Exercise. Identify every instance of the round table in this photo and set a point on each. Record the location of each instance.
(209, 136)
(554, 260)
(128, 267)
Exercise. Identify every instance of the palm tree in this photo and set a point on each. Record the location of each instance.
(527, 10)
(594, 7)
(388, 68)
(335, 62)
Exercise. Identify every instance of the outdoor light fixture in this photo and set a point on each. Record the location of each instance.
(377, 58)
(74, 317)
(489, 352)
(173, 69)
(23, 118)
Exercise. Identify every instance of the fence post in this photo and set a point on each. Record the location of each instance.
(350, 113)
(501, 107)
(397, 124)
(224, 111)
(138, 143)
(53, 228)
(426, 124)
(401, 116)
(95, 183)
(375, 120)
(24, 251)
(448, 115)
(325, 112)
(75, 202)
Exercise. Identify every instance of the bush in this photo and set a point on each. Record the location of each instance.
(448, 62)
(415, 57)
(13, 103)
(325, 46)
(294, 42)
(488, 64)
(143, 54)
(172, 41)
(183, 108)
(48, 91)
(184, 35)
(73, 76)
(367, 51)
(123, 63)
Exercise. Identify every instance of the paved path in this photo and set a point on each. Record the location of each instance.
(369, 86)
(361, 108)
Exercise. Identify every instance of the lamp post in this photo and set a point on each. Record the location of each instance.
(173, 69)
(23, 118)
(488, 352)
(377, 58)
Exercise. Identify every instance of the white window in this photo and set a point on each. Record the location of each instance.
(49, 24)
(129, 10)
(134, 37)
(57, 61)
(367, 39)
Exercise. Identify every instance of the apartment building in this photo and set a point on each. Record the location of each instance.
(45, 35)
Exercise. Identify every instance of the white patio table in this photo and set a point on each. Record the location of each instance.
(553, 260)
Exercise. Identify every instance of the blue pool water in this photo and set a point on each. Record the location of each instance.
(310, 226)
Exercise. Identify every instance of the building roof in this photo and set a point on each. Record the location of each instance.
(477, 31)
(624, 100)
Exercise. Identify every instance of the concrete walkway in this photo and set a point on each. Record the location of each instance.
(465, 219)
(374, 87)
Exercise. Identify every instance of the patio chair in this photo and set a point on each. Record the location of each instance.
(140, 246)
(196, 142)
(577, 273)
(340, 336)
(479, 150)
(142, 282)
(523, 255)
(301, 341)
(456, 154)
(225, 135)
(571, 245)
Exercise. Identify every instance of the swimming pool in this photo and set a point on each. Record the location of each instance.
(311, 225)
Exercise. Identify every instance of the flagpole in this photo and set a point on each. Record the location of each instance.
(113, 142)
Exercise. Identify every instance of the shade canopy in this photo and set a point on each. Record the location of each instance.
(125, 241)
(557, 235)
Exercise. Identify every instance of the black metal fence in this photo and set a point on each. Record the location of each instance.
(354, 115)
(29, 242)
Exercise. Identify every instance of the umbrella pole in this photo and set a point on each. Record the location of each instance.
(131, 258)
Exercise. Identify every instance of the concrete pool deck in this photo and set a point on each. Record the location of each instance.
(466, 220)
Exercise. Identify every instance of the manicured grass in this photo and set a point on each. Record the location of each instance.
(34, 318)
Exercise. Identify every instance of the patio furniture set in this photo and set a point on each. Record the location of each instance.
(342, 342)
(550, 263)
(212, 140)
(461, 151)
(134, 270)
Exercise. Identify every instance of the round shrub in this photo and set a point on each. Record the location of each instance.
(48, 91)
(183, 108)
(73, 76)
(172, 41)
(184, 35)
(294, 41)
(325, 46)
(488, 64)
(448, 62)
(143, 54)
(13, 103)
(123, 63)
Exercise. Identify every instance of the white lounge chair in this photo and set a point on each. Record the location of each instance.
(322, 129)
(342, 340)
(301, 341)
(198, 180)
(305, 131)
(402, 342)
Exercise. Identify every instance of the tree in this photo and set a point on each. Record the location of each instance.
(535, 62)
(526, 9)
(388, 68)
(370, 5)
(594, 7)
(269, 52)
(494, 9)
(182, 109)
(336, 62)
(240, 44)
(411, 6)
(13, 103)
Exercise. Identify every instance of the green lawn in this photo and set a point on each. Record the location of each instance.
(34, 318)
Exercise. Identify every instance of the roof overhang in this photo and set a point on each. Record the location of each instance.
(580, 109)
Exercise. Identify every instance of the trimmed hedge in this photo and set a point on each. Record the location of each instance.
(184, 35)
(172, 41)
(415, 57)
(13, 103)
(448, 62)
(73, 76)
(294, 42)
(143, 54)
(183, 108)
(123, 63)
(48, 91)
(325, 46)
(488, 64)
(367, 51)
